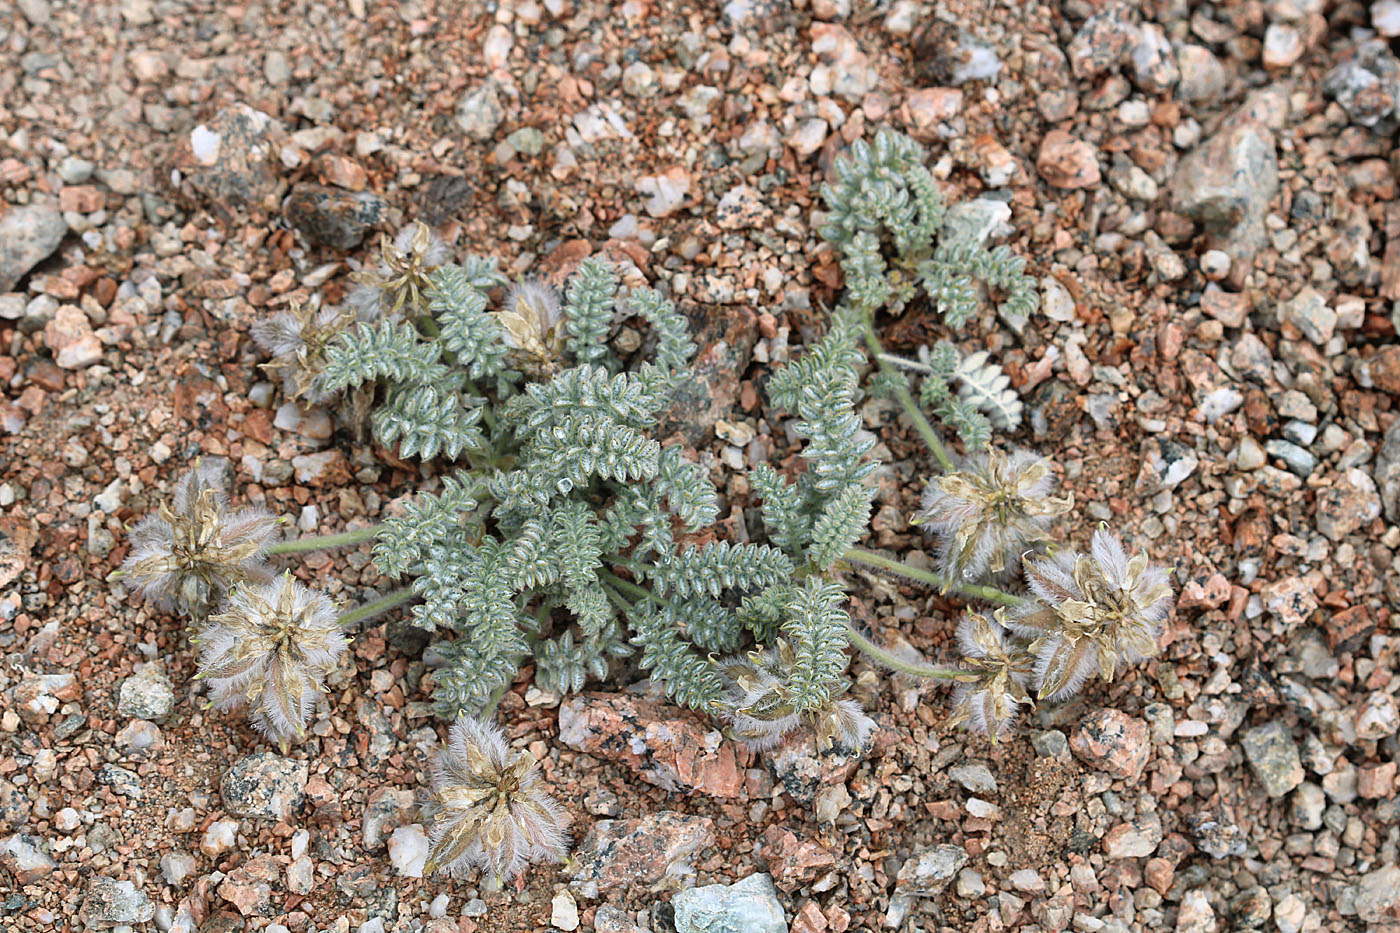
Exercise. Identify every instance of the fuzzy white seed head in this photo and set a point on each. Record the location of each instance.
(270, 651)
(489, 808)
(188, 554)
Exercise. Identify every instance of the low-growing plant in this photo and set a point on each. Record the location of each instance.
(562, 534)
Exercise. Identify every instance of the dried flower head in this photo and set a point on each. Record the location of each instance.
(761, 712)
(297, 339)
(988, 512)
(270, 650)
(533, 322)
(400, 276)
(1094, 612)
(998, 669)
(189, 553)
(488, 808)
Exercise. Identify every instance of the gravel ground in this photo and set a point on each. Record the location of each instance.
(1208, 194)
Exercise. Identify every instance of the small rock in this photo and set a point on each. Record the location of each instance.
(975, 777)
(1366, 85)
(71, 338)
(1202, 75)
(808, 137)
(1051, 744)
(1220, 837)
(1137, 838)
(923, 875)
(25, 858)
(1283, 45)
(1196, 914)
(931, 108)
(221, 836)
(108, 902)
(665, 191)
(386, 809)
(325, 468)
(1307, 805)
(408, 850)
(1298, 460)
(275, 67)
(1027, 880)
(480, 111)
(1308, 312)
(747, 906)
(176, 866)
(28, 236)
(333, 217)
(1273, 756)
(37, 696)
(794, 862)
(741, 208)
(146, 694)
(1067, 162)
(665, 745)
(1112, 741)
(1291, 600)
(1377, 893)
(1289, 913)
(1377, 718)
(140, 737)
(232, 161)
(974, 60)
(641, 851)
(1349, 504)
(639, 80)
(249, 887)
(264, 785)
(1227, 183)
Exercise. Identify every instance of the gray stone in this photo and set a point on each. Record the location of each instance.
(1308, 803)
(528, 140)
(123, 781)
(1349, 504)
(109, 902)
(1297, 459)
(264, 786)
(232, 161)
(1308, 312)
(28, 236)
(333, 217)
(975, 221)
(1377, 893)
(1202, 76)
(748, 906)
(1368, 85)
(1273, 755)
(36, 11)
(75, 171)
(1226, 184)
(1387, 473)
(275, 67)
(1220, 837)
(146, 694)
(974, 776)
(1051, 744)
(480, 111)
(26, 857)
(923, 875)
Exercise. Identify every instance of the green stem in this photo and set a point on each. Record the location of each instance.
(373, 608)
(895, 663)
(324, 542)
(906, 400)
(626, 586)
(990, 593)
